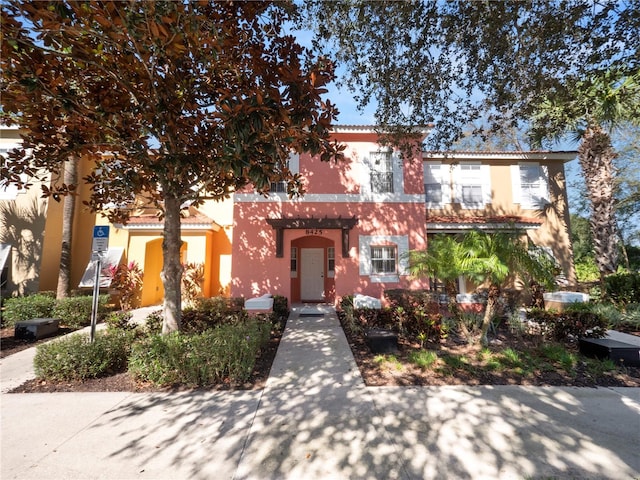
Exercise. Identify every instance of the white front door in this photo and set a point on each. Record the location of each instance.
(312, 274)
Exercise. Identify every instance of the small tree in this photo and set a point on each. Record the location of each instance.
(177, 102)
(489, 259)
(439, 261)
(493, 258)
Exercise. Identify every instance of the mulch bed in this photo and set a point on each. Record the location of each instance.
(374, 373)
(123, 382)
(405, 373)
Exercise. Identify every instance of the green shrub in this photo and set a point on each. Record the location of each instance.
(416, 312)
(120, 320)
(587, 270)
(345, 313)
(622, 288)
(631, 316)
(75, 312)
(559, 354)
(579, 320)
(202, 359)
(366, 318)
(18, 309)
(280, 310)
(198, 321)
(153, 323)
(74, 357)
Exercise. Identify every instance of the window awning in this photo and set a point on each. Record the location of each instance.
(315, 224)
(111, 259)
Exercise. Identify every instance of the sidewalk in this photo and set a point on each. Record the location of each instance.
(315, 419)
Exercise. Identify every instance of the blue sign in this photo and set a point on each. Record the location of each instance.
(101, 231)
(100, 239)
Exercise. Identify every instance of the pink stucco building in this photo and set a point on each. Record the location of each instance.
(351, 231)
(347, 235)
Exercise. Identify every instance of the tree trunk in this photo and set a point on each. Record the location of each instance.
(68, 212)
(489, 313)
(596, 156)
(172, 268)
(452, 291)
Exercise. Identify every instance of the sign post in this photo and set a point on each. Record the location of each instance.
(99, 247)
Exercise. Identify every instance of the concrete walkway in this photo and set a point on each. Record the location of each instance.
(315, 419)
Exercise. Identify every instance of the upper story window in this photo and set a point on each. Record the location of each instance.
(530, 182)
(293, 164)
(278, 187)
(381, 172)
(472, 184)
(437, 185)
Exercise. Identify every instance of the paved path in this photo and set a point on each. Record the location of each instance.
(315, 419)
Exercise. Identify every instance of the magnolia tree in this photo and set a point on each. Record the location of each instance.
(172, 102)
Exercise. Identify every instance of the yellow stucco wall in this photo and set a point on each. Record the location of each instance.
(554, 231)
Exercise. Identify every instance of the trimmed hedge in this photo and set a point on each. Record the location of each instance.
(73, 312)
(74, 357)
(227, 352)
(37, 305)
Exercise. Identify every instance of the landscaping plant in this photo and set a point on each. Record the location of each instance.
(75, 312)
(37, 305)
(126, 279)
(75, 357)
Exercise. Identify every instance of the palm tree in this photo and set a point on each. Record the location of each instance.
(598, 106)
(492, 259)
(488, 259)
(439, 261)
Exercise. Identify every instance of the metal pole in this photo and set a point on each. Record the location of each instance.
(96, 294)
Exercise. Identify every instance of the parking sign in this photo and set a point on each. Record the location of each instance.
(100, 239)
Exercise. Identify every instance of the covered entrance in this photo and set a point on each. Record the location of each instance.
(313, 256)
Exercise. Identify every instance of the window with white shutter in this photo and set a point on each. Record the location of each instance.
(436, 184)
(530, 185)
(381, 172)
(472, 185)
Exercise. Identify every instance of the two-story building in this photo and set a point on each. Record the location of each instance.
(31, 230)
(352, 230)
(348, 234)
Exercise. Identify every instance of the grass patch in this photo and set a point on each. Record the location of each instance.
(423, 359)
(456, 361)
(489, 360)
(511, 358)
(388, 361)
(598, 368)
(560, 355)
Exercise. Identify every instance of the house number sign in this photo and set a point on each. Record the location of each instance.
(313, 231)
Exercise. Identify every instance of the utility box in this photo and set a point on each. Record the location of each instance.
(36, 328)
(381, 341)
(619, 352)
